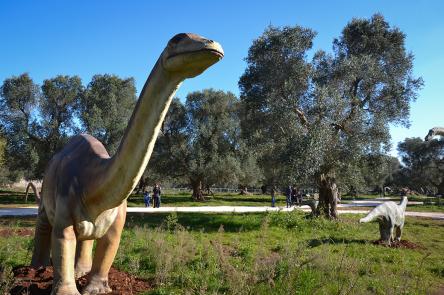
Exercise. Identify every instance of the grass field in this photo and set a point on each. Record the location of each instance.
(267, 253)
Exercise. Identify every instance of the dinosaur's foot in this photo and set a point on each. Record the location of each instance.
(96, 285)
(65, 289)
(82, 270)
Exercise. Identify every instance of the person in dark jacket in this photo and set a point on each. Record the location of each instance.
(156, 195)
(288, 192)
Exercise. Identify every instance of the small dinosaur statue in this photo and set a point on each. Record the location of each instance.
(36, 193)
(390, 217)
(84, 190)
(435, 131)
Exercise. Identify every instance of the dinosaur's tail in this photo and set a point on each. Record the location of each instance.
(36, 193)
(403, 204)
(371, 216)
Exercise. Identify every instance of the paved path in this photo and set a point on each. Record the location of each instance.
(218, 209)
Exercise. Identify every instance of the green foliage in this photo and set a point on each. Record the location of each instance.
(275, 81)
(325, 117)
(106, 107)
(18, 98)
(3, 169)
(37, 122)
(423, 165)
(200, 142)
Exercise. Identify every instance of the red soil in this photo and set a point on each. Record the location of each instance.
(403, 244)
(28, 280)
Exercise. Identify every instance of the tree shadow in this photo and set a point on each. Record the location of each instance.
(335, 241)
(206, 222)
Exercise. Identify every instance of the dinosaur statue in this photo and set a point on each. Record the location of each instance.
(36, 193)
(84, 190)
(390, 216)
(435, 131)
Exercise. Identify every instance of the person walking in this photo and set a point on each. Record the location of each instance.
(273, 197)
(288, 192)
(294, 192)
(156, 195)
(147, 198)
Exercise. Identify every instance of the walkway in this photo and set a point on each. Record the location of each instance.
(29, 211)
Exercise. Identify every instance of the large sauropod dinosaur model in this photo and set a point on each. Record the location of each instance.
(36, 193)
(84, 190)
(390, 217)
(435, 131)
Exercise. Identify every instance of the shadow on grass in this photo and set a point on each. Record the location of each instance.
(200, 221)
(335, 241)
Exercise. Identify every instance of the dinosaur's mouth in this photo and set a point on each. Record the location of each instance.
(212, 50)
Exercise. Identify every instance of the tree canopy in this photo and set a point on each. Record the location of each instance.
(423, 165)
(200, 143)
(321, 117)
(36, 121)
(106, 107)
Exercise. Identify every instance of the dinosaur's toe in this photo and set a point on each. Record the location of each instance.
(97, 286)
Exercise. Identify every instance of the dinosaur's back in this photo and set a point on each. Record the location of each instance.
(70, 172)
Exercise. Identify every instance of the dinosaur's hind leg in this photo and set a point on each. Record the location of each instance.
(104, 256)
(42, 241)
(399, 232)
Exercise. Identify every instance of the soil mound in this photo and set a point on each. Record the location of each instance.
(403, 244)
(28, 280)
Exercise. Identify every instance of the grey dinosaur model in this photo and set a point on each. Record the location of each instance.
(390, 217)
(435, 131)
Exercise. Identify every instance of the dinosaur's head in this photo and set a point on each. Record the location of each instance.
(189, 55)
(430, 135)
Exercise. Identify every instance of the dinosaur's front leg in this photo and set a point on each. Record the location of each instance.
(386, 231)
(104, 256)
(83, 257)
(63, 254)
(399, 232)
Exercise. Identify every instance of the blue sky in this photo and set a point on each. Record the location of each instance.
(47, 38)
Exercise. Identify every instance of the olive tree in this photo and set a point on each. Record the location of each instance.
(200, 143)
(321, 117)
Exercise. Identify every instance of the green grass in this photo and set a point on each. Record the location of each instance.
(266, 253)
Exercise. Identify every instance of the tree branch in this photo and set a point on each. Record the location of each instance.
(302, 118)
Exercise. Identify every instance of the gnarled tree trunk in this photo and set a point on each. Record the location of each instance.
(197, 190)
(244, 191)
(328, 196)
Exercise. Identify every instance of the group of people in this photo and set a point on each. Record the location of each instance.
(156, 196)
(293, 196)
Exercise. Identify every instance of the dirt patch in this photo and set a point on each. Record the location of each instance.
(24, 232)
(403, 244)
(28, 280)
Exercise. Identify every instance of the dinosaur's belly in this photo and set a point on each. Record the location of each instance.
(88, 230)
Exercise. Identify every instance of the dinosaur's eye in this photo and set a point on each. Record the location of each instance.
(179, 37)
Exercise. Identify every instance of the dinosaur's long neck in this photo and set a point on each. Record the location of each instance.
(122, 172)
